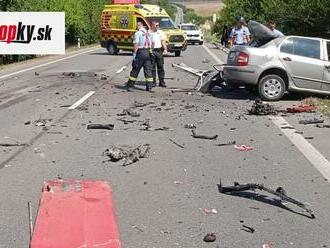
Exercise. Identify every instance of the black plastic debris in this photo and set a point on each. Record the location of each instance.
(101, 126)
(260, 108)
(198, 136)
(279, 192)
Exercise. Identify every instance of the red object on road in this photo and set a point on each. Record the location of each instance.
(243, 148)
(76, 213)
(301, 109)
(125, 1)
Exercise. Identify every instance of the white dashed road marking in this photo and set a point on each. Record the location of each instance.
(80, 101)
(306, 148)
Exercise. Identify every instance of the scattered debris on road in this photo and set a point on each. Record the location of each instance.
(243, 148)
(126, 121)
(137, 104)
(230, 143)
(177, 144)
(27, 123)
(121, 69)
(198, 136)
(260, 108)
(104, 77)
(129, 155)
(302, 109)
(129, 112)
(322, 126)
(42, 122)
(190, 126)
(210, 211)
(280, 192)
(137, 228)
(147, 127)
(178, 182)
(210, 237)
(311, 121)
(287, 127)
(101, 126)
(247, 229)
(12, 145)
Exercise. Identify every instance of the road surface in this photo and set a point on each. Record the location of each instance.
(160, 200)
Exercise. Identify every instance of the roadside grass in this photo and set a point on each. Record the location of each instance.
(323, 104)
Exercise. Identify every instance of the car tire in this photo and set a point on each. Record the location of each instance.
(271, 87)
(112, 48)
(201, 43)
(177, 53)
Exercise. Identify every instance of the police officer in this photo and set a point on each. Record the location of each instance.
(159, 48)
(141, 58)
(240, 34)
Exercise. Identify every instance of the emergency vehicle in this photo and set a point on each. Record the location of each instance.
(119, 25)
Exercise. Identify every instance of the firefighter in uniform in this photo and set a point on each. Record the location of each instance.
(141, 58)
(159, 48)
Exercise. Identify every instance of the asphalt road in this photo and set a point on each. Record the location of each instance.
(164, 195)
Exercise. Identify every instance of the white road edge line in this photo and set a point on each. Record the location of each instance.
(45, 64)
(219, 61)
(306, 148)
(80, 101)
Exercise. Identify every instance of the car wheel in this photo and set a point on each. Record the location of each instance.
(271, 88)
(112, 48)
(177, 53)
(201, 43)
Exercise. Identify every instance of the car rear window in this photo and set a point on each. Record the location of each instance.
(302, 47)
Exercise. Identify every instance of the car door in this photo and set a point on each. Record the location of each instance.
(302, 59)
(326, 78)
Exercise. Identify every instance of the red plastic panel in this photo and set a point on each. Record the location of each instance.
(125, 1)
(76, 214)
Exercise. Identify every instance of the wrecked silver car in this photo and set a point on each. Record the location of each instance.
(276, 65)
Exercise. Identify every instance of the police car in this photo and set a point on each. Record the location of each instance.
(193, 33)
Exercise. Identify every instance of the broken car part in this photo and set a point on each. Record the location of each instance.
(260, 108)
(210, 237)
(227, 144)
(207, 79)
(175, 143)
(129, 155)
(11, 145)
(247, 229)
(311, 121)
(280, 192)
(197, 136)
(129, 112)
(101, 126)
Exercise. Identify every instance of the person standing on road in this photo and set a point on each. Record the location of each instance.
(240, 34)
(224, 36)
(159, 49)
(272, 26)
(141, 57)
